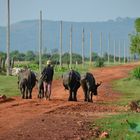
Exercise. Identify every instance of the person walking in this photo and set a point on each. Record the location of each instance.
(47, 77)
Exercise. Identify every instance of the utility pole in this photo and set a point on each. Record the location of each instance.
(128, 50)
(83, 48)
(119, 51)
(90, 48)
(40, 43)
(124, 51)
(60, 59)
(71, 47)
(101, 45)
(114, 51)
(108, 48)
(8, 38)
(127, 53)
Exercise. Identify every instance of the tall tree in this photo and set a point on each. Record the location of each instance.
(135, 44)
(137, 25)
(135, 39)
(30, 56)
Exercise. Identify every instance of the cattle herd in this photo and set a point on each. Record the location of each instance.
(72, 80)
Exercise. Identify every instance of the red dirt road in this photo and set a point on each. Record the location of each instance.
(38, 119)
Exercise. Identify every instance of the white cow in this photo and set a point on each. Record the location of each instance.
(15, 71)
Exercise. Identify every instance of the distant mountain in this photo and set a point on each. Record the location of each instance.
(25, 35)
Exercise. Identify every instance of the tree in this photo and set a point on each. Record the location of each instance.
(135, 39)
(75, 58)
(137, 25)
(15, 54)
(30, 56)
(66, 58)
(94, 56)
(55, 58)
(21, 57)
(135, 44)
(2, 55)
(54, 51)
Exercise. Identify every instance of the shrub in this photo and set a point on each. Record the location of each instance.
(33, 66)
(60, 69)
(136, 73)
(99, 62)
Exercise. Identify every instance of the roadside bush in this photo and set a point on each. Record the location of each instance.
(99, 62)
(62, 69)
(136, 73)
(33, 66)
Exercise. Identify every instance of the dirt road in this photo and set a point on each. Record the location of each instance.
(38, 119)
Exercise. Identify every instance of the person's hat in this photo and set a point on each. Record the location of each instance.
(48, 62)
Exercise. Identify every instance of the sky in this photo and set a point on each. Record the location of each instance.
(69, 10)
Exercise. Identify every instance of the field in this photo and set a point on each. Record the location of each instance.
(38, 119)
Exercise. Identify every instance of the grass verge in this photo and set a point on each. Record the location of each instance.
(129, 88)
(120, 127)
(124, 126)
(8, 86)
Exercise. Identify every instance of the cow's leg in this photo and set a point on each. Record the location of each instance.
(91, 95)
(88, 96)
(23, 97)
(22, 90)
(75, 96)
(75, 91)
(41, 91)
(70, 95)
(30, 93)
(26, 90)
(85, 94)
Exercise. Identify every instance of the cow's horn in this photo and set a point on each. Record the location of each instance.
(98, 84)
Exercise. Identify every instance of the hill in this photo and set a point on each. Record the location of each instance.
(25, 34)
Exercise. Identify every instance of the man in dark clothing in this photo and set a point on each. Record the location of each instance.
(47, 77)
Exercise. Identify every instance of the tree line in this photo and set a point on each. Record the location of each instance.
(54, 57)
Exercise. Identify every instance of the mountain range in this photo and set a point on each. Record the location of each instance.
(25, 35)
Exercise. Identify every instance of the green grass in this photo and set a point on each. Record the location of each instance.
(129, 89)
(116, 125)
(9, 86)
(118, 128)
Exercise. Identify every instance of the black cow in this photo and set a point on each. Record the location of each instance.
(26, 81)
(89, 86)
(71, 82)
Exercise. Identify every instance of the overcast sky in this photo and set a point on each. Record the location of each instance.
(69, 10)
